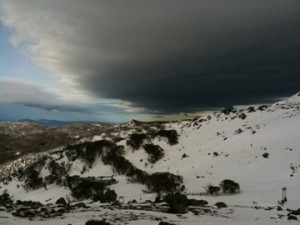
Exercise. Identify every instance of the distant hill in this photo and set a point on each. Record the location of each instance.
(60, 122)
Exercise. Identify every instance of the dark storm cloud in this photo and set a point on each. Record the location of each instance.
(167, 56)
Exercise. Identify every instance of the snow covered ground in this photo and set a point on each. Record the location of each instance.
(260, 150)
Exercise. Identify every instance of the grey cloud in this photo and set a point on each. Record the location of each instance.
(16, 92)
(167, 56)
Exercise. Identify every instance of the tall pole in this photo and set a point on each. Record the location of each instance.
(284, 196)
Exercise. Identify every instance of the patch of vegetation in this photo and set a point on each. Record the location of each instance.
(97, 222)
(251, 109)
(229, 110)
(242, 116)
(136, 140)
(88, 151)
(86, 187)
(32, 179)
(221, 205)
(266, 155)
(155, 152)
(213, 190)
(164, 182)
(171, 135)
(5, 199)
(229, 186)
(262, 107)
(177, 203)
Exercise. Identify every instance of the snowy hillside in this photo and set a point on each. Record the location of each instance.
(257, 147)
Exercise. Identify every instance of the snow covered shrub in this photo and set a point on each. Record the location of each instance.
(164, 182)
(171, 135)
(136, 140)
(229, 186)
(155, 152)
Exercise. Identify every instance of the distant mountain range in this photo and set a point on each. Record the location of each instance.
(59, 122)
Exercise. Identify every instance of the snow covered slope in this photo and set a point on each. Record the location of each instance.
(257, 147)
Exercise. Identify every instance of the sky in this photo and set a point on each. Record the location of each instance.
(113, 61)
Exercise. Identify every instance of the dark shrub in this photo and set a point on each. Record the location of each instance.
(291, 217)
(165, 223)
(265, 155)
(137, 175)
(110, 196)
(242, 116)
(296, 212)
(171, 135)
(229, 110)
(94, 149)
(213, 190)
(33, 181)
(177, 203)
(238, 131)
(84, 188)
(97, 222)
(5, 199)
(119, 163)
(221, 205)
(61, 201)
(229, 186)
(164, 182)
(251, 109)
(262, 107)
(136, 140)
(195, 202)
(56, 169)
(51, 179)
(88, 151)
(155, 152)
